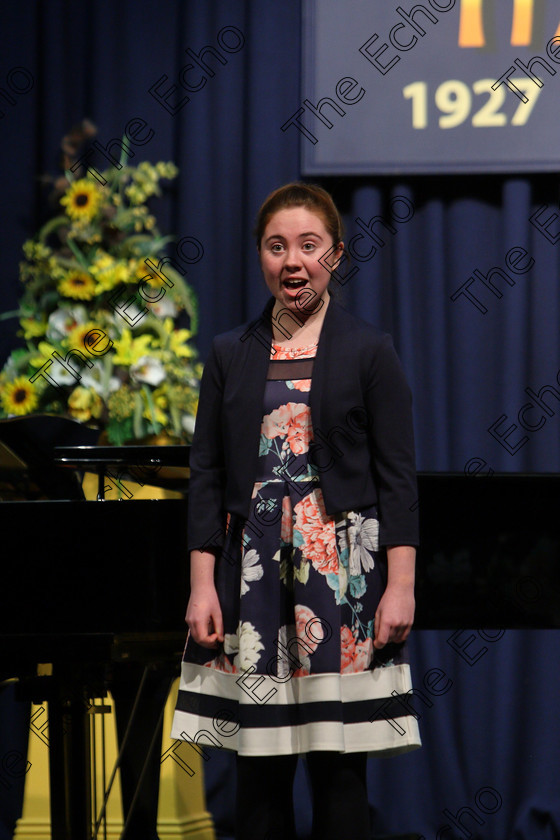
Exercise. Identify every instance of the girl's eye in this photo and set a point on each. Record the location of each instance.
(308, 246)
(277, 246)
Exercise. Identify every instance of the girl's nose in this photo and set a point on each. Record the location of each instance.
(293, 257)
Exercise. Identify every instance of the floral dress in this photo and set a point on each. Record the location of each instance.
(298, 589)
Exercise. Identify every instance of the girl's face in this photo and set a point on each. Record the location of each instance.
(293, 241)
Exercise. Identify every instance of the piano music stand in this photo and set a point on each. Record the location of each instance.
(158, 466)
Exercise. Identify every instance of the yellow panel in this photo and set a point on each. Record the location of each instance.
(471, 30)
(522, 23)
(181, 811)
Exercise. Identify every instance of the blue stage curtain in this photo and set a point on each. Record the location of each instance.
(496, 727)
(467, 367)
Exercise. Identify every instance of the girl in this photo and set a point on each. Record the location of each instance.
(302, 530)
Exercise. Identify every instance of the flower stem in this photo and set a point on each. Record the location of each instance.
(152, 409)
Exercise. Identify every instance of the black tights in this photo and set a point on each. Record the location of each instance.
(264, 807)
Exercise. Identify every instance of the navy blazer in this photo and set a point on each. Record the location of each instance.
(361, 416)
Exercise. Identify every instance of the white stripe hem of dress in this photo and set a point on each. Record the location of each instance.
(374, 738)
(380, 736)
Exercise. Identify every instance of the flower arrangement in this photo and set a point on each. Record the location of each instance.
(98, 311)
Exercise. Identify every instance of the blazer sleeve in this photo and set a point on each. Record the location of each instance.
(389, 406)
(206, 515)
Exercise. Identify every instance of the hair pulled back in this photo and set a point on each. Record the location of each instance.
(297, 194)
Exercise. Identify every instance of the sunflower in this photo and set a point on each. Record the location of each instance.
(140, 271)
(153, 278)
(78, 339)
(109, 273)
(82, 200)
(77, 284)
(19, 396)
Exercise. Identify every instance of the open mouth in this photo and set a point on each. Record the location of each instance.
(295, 283)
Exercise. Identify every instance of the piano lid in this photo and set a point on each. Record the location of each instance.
(27, 468)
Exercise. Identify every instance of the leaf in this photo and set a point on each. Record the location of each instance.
(137, 421)
(51, 225)
(284, 568)
(21, 354)
(343, 557)
(176, 419)
(124, 152)
(334, 583)
(49, 299)
(159, 243)
(106, 372)
(357, 585)
(264, 445)
(342, 581)
(297, 538)
(138, 245)
(78, 254)
(119, 431)
(148, 394)
(302, 573)
(15, 313)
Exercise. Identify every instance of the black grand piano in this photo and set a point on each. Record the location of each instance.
(489, 558)
(92, 587)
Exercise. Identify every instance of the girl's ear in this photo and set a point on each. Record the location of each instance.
(339, 250)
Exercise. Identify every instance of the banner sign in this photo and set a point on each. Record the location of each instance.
(432, 86)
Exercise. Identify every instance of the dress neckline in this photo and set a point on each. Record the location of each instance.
(279, 353)
(294, 348)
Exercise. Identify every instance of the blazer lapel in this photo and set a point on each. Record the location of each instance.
(324, 367)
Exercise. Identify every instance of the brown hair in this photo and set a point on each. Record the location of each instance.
(298, 194)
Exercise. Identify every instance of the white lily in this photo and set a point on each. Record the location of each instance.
(149, 370)
(187, 422)
(92, 379)
(62, 321)
(164, 308)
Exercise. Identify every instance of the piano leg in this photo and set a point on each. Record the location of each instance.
(69, 758)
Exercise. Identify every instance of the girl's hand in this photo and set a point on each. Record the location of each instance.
(394, 616)
(204, 616)
(395, 612)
